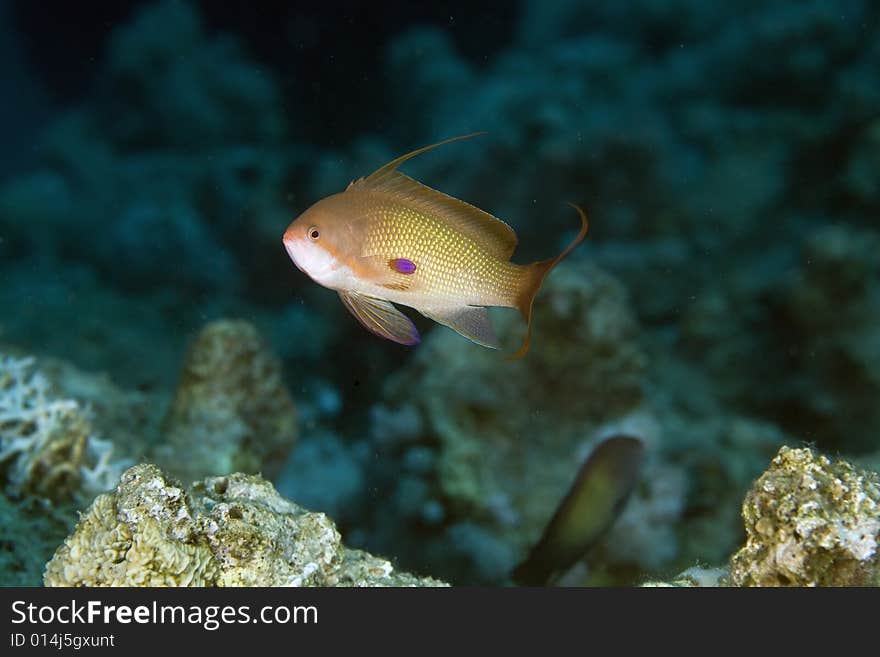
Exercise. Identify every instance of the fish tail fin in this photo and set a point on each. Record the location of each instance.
(533, 279)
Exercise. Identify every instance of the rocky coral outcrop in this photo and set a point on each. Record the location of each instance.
(232, 411)
(233, 530)
(810, 522)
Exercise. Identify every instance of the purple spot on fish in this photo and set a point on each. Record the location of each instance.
(403, 266)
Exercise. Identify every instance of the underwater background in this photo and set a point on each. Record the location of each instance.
(725, 303)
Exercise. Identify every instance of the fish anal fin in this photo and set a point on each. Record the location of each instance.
(381, 318)
(470, 321)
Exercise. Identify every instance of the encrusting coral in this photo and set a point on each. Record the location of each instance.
(231, 411)
(810, 522)
(226, 531)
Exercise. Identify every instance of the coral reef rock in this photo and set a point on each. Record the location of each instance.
(231, 411)
(233, 530)
(47, 445)
(810, 522)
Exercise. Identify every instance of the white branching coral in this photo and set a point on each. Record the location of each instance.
(46, 443)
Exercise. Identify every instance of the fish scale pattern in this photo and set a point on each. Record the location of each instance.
(451, 269)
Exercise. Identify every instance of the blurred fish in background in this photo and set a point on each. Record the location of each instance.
(599, 492)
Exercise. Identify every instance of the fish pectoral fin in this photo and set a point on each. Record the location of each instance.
(381, 317)
(470, 321)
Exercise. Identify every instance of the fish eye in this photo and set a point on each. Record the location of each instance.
(314, 233)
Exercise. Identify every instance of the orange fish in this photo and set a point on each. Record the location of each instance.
(389, 239)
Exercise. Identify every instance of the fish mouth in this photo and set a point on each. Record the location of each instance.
(290, 246)
(312, 262)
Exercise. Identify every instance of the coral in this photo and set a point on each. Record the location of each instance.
(227, 531)
(141, 535)
(43, 439)
(810, 522)
(47, 446)
(261, 539)
(231, 410)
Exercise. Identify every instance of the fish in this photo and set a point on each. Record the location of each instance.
(388, 239)
(596, 498)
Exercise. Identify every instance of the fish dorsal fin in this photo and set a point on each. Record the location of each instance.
(379, 173)
(483, 228)
(470, 321)
(381, 317)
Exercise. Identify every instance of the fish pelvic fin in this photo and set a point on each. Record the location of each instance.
(381, 318)
(533, 279)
